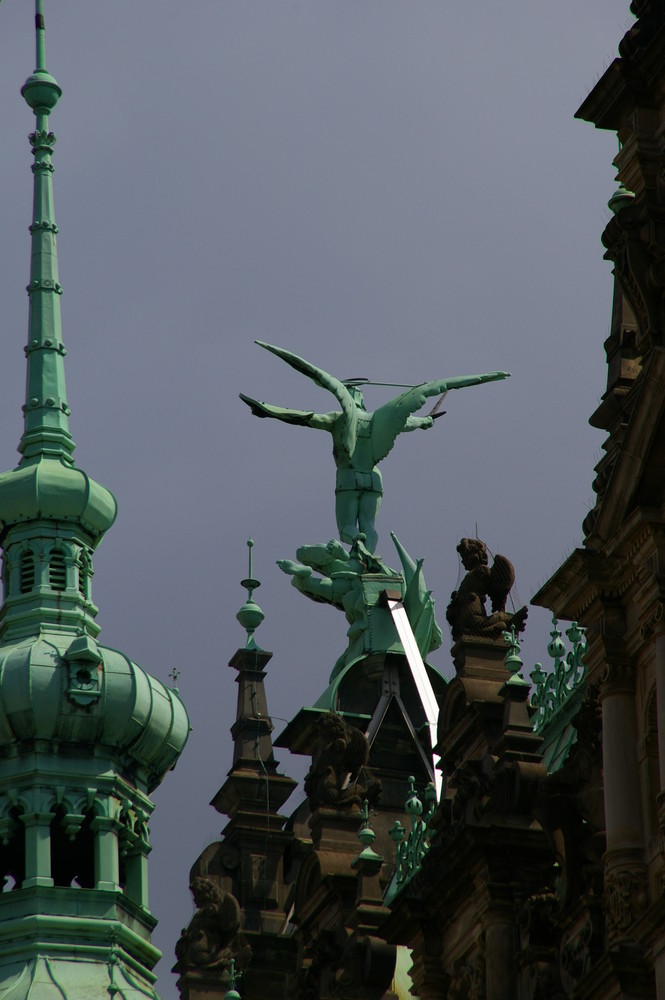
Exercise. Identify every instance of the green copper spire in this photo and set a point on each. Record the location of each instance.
(46, 411)
(52, 515)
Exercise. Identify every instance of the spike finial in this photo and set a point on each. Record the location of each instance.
(250, 615)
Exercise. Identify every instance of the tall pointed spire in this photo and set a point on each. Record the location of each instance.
(46, 411)
(85, 733)
(52, 515)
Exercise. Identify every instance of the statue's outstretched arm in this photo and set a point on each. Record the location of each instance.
(305, 418)
(391, 418)
(418, 423)
(325, 381)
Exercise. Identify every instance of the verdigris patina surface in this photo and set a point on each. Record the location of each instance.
(361, 439)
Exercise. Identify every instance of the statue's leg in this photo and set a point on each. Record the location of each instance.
(368, 510)
(346, 511)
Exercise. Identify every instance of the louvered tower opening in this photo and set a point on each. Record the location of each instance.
(26, 572)
(57, 571)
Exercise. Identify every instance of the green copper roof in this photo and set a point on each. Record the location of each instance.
(57, 690)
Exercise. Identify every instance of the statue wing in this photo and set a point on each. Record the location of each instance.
(501, 580)
(259, 409)
(390, 419)
(229, 912)
(356, 753)
(325, 381)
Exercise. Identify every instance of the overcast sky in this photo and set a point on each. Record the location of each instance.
(395, 189)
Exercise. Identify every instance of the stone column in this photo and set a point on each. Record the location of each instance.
(37, 849)
(660, 707)
(500, 947)
(106, 853)
(136, 866)
(659, 953)
(625, 872)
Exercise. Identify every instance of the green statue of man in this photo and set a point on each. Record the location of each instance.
(361, 439)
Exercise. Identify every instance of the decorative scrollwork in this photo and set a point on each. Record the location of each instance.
(411, 848)
(553, 690)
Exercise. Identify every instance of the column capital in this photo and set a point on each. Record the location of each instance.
(617, 677)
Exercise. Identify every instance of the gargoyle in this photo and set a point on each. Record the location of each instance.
(466, 612)
(211, 939)
(339, 777)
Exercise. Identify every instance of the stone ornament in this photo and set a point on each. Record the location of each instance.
(339, 777)
(466, 613)
(211, 941)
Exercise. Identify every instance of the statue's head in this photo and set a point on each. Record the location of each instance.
(203, 890)
(473, 553)
(355, 393)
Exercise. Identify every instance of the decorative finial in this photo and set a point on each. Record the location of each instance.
(556, 647)
(622, 197)
(250, 615)
(366, 836)
(232, 993)
(174, 675)
(40, 91)
(513, 660)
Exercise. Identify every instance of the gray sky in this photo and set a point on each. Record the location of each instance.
(393, 189)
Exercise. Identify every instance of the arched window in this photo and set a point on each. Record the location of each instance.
(72, 857)
(26, 572)
(57, 571)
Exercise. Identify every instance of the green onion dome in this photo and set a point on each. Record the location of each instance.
(51, 490)
(65, 692)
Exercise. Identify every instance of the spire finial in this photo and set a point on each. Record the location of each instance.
(513, 660)
(250, 615)
(232, 993)
(39, 31)
(40, 91)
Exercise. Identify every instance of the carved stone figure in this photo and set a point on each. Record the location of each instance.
(466, 612)
(339, 777)
(361, 439)
(210, 940)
